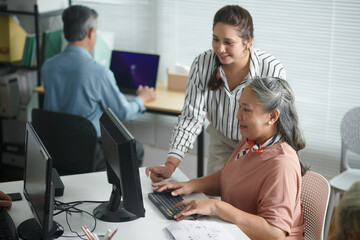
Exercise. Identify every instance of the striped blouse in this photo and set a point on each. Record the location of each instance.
(220, 107)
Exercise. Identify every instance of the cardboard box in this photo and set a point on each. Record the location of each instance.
(12, 39)
(176, 81)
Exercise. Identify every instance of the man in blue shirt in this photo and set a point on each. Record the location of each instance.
(75, 83)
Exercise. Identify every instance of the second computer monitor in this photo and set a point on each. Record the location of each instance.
(38, 190)
(126, 201)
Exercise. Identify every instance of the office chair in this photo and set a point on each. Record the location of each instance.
(71, 140)
(350, 140)
(314, 197)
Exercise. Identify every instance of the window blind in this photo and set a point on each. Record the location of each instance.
(132, 22)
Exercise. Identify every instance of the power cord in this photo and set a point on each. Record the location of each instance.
(69, 208)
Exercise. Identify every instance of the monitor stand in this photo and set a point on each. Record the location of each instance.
(113, 210)
(30, 230)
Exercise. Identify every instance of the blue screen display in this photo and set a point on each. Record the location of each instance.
(134, 69)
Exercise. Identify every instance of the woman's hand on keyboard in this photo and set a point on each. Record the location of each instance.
(176, 188)
(199, 206)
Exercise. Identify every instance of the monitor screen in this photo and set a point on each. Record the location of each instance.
(126, 202)
(38, 190)
(134, 69)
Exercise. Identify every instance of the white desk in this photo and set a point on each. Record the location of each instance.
(94, 186)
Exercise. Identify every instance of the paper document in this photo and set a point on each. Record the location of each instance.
(198, 230)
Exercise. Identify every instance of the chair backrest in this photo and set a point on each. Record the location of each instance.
(70, 140)
(315, 194)
(350, 135)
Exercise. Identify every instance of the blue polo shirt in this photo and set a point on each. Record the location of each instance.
(75, 83)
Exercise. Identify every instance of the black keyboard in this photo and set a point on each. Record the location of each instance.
(165, 202)
(7, 227)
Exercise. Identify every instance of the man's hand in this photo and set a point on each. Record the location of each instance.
(145, 93)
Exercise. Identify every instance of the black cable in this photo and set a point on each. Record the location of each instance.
(68, 209)
(82, 201)
(65, 207)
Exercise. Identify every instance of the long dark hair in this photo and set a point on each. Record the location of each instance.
(240, 18)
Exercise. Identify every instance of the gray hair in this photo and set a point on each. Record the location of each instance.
(347, 216)
(275, 94)
(77, 21)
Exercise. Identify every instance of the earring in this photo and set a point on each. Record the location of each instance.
(269, 122)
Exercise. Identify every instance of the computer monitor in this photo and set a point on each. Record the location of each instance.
(38, 190)
(126, 202)
(132, 69)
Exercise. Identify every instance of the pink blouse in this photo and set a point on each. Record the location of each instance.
(266, 184)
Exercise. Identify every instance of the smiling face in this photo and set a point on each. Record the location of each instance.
(227, 44)
(255, 123)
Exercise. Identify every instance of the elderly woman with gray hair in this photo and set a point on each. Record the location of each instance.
(260, 184)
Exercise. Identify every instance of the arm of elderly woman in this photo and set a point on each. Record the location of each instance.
(255, 227)
(210, 185)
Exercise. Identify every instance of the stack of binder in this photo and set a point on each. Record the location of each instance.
(29, 51)
(50, 45)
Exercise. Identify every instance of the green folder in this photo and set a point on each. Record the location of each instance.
(51, 44)
(30, 49)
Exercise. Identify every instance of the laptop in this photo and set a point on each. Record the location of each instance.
(133, 69)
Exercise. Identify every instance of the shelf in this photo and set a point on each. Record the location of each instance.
(41, 15)
(6, 12)
(37, 16)
(16, 65)
(16, 173)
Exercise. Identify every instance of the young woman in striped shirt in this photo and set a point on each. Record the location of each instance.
(216, 81)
